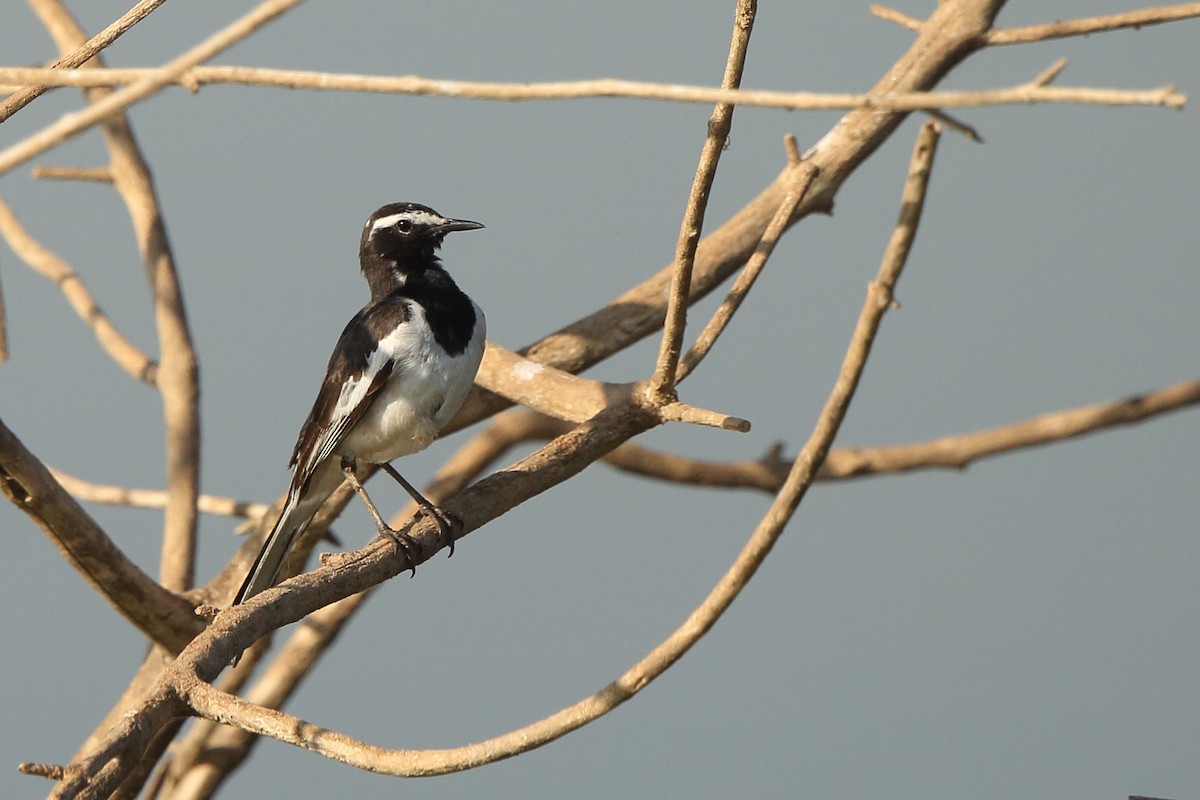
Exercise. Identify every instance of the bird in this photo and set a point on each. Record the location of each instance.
(399, 372)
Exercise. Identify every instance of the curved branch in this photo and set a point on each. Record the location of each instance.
(221, 707)
(163, 616)
(127, 356)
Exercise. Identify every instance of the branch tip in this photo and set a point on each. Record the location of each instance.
(892, 15)
(54, 772)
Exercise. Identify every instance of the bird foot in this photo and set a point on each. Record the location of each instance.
(447, 521)
(402, 541)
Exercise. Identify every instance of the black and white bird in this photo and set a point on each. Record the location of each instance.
(399, 372)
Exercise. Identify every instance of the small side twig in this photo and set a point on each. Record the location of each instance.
(892, 15)
(52, 771)
(91, 174)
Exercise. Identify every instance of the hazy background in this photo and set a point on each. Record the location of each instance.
(1027, 628)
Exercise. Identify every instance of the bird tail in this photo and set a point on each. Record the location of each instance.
(291, 523)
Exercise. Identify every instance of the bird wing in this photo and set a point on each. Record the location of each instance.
(356, 373)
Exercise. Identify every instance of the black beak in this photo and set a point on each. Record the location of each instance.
(458, 225)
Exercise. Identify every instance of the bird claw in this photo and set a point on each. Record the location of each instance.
(447, 522)
(402, 541)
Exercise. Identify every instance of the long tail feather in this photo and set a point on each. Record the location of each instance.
(291, 523)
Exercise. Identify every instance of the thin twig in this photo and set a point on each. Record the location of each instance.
(112, 495)
(662, 384)
(127, 356)
(954, 124)
(91, 174)
(749, 274)
(1082, 27)
(892, 15)
(94, 45)
(602, 87)
(73, 124)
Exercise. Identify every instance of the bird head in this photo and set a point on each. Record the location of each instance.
(403, 231)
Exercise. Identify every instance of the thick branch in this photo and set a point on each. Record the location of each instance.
(233, 630)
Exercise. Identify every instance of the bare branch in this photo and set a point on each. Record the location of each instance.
(682, 412)
(749, 274)
(231, 710)
(211, 752)
(52, 771)
(127, 356)
(97, 771)
(662, 384)
(892, 15)
(72, 124)
(163, 616)
(956, 452)
(956, 125)
(544, 388)
(881, 97)
(92, 174)
(1082, 27)
(951, 34)
(93, 46)
(178, 374)
(112, 495)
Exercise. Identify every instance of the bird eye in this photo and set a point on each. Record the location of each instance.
(404, 225)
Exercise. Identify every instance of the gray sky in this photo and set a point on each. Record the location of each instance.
(1026, 628)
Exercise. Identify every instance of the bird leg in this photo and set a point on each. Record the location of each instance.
(400, 539)
(446, 521)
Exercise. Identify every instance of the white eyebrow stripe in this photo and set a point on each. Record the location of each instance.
(417, 217)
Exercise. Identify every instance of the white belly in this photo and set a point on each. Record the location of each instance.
(426, 389)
